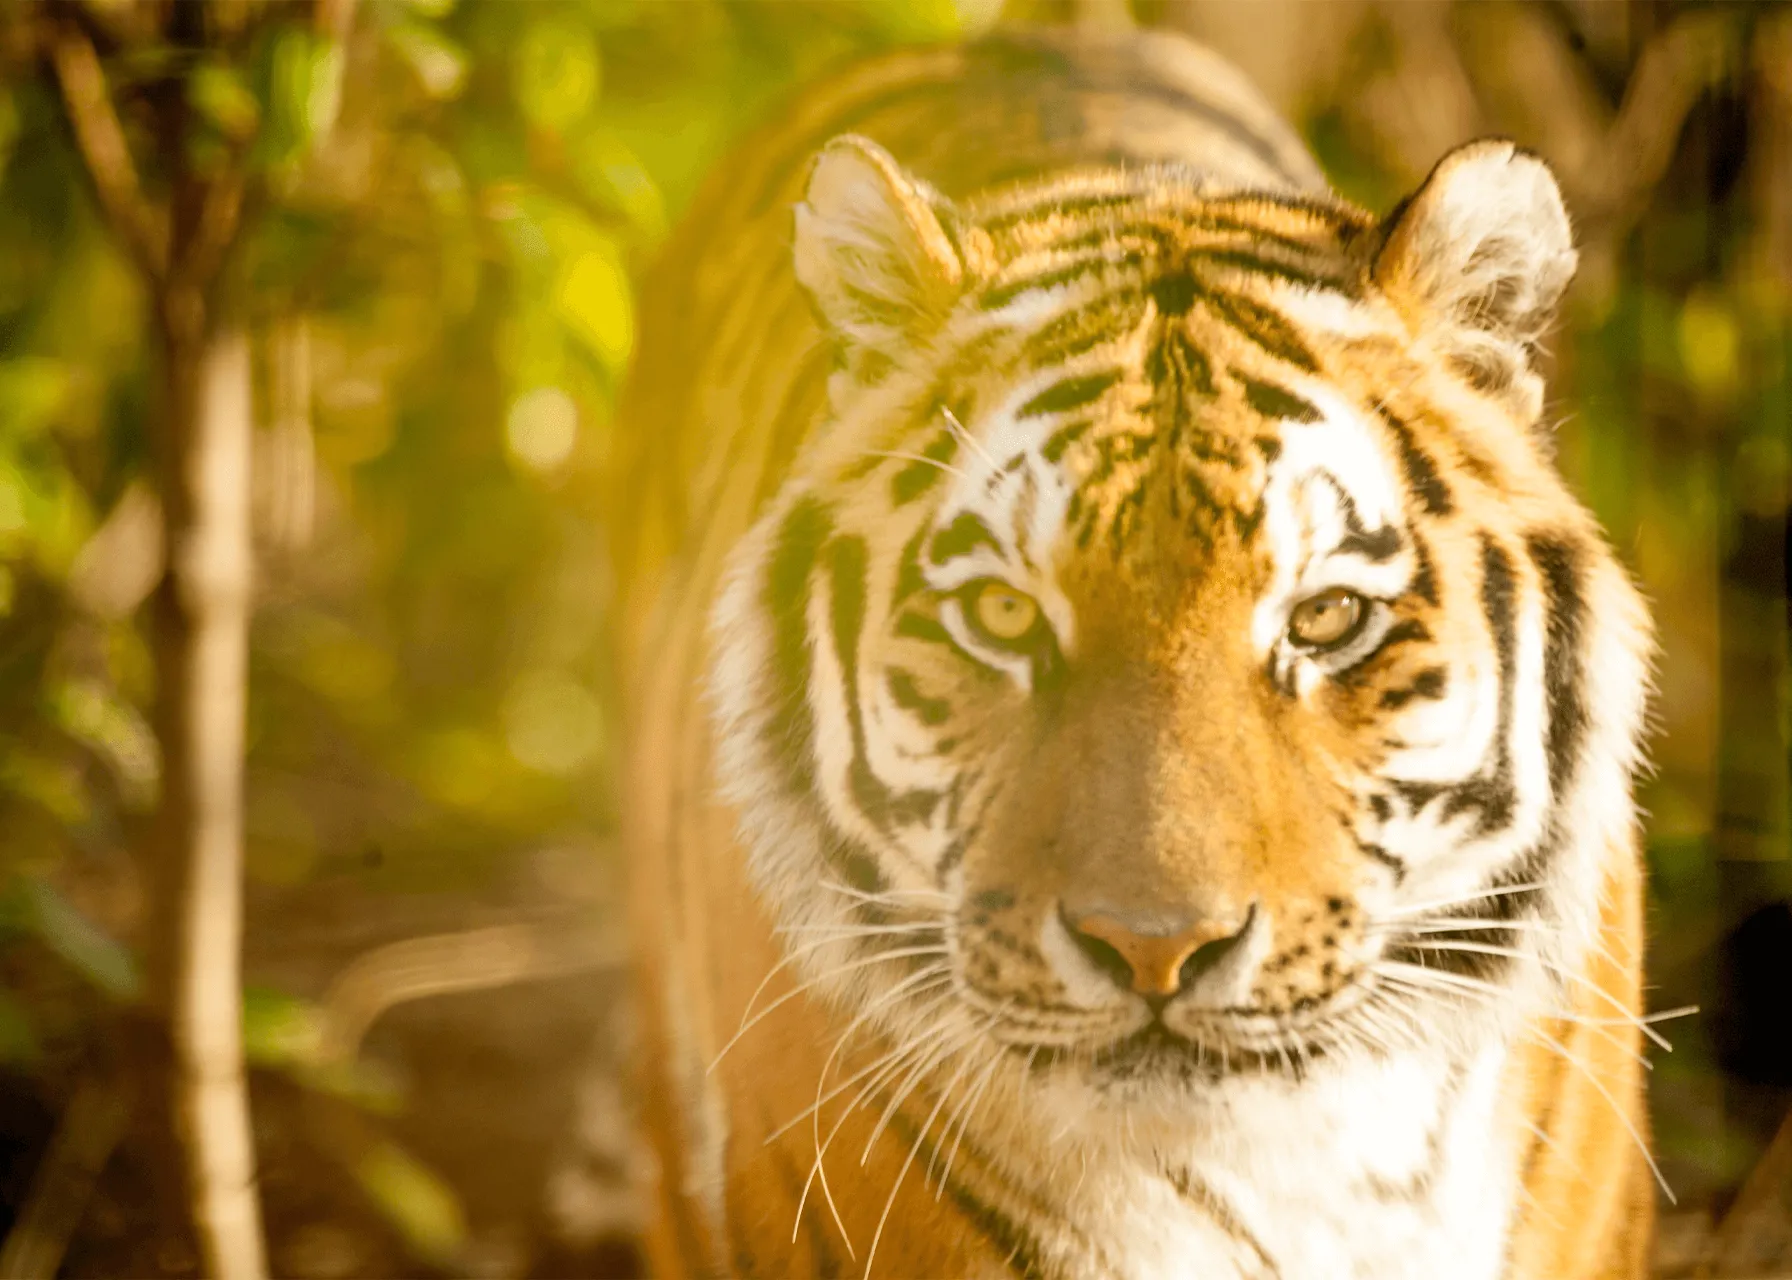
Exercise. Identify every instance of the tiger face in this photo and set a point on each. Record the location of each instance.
(1173, 656)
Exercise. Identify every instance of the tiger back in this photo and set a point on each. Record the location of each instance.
(1129, 740)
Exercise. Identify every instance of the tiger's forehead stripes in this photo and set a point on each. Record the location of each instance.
(1142, 323)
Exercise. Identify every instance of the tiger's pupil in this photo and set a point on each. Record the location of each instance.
(1004, 613)
(1326, 618)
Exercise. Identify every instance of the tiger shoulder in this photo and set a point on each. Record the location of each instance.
(1130, 740)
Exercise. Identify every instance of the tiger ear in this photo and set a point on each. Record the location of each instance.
(1480, 256)
(871, 248)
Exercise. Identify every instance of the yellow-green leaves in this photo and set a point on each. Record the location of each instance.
(223, 98)
(301, 91)
(439, 64)
(555, 71)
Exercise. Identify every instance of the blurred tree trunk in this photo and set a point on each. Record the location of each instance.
(188, 1053)
(201, 649)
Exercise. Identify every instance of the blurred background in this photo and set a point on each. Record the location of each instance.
(427, 224)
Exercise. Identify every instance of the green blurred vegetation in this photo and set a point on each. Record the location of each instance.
(450, 210)
(440, 283)
(453, 210)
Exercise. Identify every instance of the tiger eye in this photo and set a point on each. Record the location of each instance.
(1002, 613)
(1320, 621)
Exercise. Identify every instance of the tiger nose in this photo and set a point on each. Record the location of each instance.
(1154, 960)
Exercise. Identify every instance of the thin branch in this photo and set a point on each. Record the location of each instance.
(220, 210)
(334, 19)
(451, 963)
(1673, 72)
(92, 1123)
(107, 156)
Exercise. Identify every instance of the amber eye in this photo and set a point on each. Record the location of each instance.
(1327, 619)
(1001, 613)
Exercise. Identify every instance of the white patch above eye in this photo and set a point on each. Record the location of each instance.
(1023, 502)
(1327, 474)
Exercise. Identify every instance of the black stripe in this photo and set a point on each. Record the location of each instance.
(883, 806)
(1181, 365)
(1063, 207)
(1424, 578)
(997, 298)
(907, 695)
(1275, 402)
(1422, 477)
(1263, 326)
(1406, 631)
(1244, 260)
(1375, 544)
(1069, 394)
(1564, 663)
(1083, 329)
(918, 626)
(1428, 684)
(1492, 792)
(788, 585)
(1062, 439)
(918, 478)
(1392, 863)
(964, 535)
(909, 580)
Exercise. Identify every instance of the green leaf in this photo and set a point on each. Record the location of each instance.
(416, 1200)
(301, 91)
(220, 95)
(612, 173)
(440, 65)
(280, 1030)
(591, 296)
(555, 72)
(89, 711)
(81, 944)
(32, 391)
(919, 21)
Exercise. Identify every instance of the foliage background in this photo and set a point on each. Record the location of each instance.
(458, 205)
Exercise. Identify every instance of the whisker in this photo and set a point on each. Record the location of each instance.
(791, 957)
(887, 1066)
(1462, 925)
(1617, 1111)
(1488, 949)
(970, 441)
(913, 1150)
(909, 1082)
(925, 977)
(834, 931)
(901, 953)
(887, 898)
(927, 1008)
(1413, 909)
(899, 455)
(968, 1111)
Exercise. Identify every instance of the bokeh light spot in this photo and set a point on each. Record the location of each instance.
(552, 723)
(542, 428)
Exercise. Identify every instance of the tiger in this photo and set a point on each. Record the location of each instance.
(1130, 742)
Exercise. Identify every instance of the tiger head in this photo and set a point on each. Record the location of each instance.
(1172, 651)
